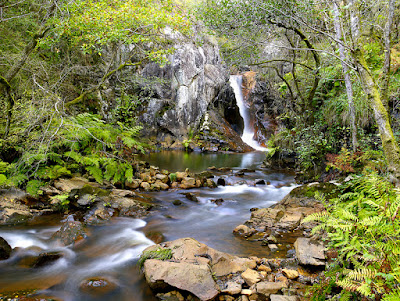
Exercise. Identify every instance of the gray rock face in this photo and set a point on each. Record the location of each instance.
(196, 75)
(196, 279)
(309, 252)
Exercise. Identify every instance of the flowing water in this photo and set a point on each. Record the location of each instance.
(248, 131)
(111, 251)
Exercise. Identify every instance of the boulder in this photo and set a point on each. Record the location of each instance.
(309, 252)
(70, 232)
(196, 279)
(163, 178)
(188, 182)
(47, 258)
(180, 175)
(5, 249)
(265, 217)
(191, 251)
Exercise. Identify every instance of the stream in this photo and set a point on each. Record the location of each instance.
(111, 250)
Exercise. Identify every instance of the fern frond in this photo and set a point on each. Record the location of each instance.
(315, 217)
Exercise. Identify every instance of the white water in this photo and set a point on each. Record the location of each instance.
(248, 131)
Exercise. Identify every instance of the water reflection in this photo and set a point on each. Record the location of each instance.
(197, 162)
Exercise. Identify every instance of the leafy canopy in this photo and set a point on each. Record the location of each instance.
(91, 25)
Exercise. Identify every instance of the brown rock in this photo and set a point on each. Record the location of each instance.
(180, 175)
(291, 274)
(146, 186)
(243, 230)
(264, 268)
(145, 177)
(232, 288)
(268, 288)
(196, 279)
(134, 184)
(162, 177)
(188, 183)
(66, 185)
(70, 232)
(98, 286)
(251, 277)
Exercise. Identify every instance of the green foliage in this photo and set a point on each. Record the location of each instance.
(33, 187)
(62, 201)
(363, 227)
(91, 25)
(311, 146)
(172, 177)
(160, 254)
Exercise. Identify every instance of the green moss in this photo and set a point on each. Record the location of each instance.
(160, 254)
(328, 189)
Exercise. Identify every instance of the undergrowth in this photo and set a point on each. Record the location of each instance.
(362, 227)
(81, 144)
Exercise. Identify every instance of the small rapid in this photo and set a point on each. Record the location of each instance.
(111, 250)
(248, 131)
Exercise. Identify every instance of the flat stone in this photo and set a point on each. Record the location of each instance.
(66, 185)
(291, 274)
(268, 288)
(309, 252)
(283, 298)
(232, 288)
(251, 277)
(246, 292)
(273, 247)
(264, 268)
(196, 279)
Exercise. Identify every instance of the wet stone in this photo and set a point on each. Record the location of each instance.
(70, 232)
(218, 202)
(221, 182)
(177, 202)
(191, 197)
(5, 249)
(46, 259)
(98, 286)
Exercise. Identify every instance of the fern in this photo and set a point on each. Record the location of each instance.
(364, 227)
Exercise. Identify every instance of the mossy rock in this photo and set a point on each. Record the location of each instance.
(88, 189)
(328, 189)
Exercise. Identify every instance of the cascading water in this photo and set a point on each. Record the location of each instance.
(248, 131)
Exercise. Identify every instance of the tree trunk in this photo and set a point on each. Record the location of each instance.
(387, 50)
(389, 144)
(347, 80)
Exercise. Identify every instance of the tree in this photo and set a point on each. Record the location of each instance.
(316, 20)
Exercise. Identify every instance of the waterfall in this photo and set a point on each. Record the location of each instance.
(248, 131)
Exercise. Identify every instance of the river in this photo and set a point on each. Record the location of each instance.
(111, 250)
